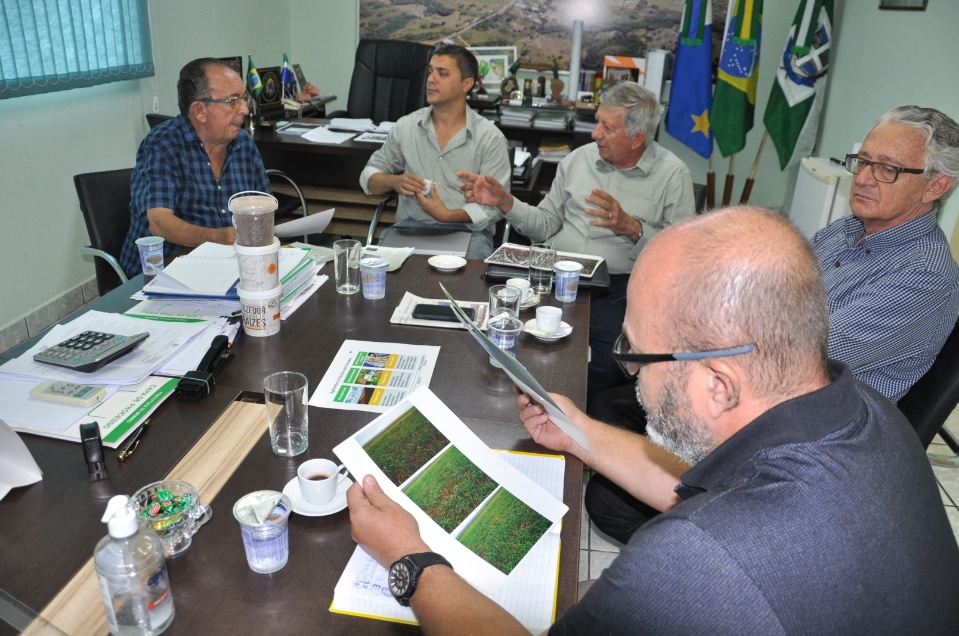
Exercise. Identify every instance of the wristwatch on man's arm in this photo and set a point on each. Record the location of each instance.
(640, 221)
(405, 574)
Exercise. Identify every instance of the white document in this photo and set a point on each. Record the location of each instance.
(373, 137)
(374, 376)
(184, 310)
(323, 135)
(522, 378)
(479, 512)
(24, 413)
(356, 125)
(17, 466)
(385, 127)
(196, 274)
(403, 314)
(310, 224)
(166, 338)
(395, 256)
(530, 590)
(291, 303)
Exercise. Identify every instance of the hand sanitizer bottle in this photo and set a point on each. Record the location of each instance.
(132, 573)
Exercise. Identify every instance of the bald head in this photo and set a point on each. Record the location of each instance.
(739, 276)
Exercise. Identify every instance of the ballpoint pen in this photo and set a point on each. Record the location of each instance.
(134, 442)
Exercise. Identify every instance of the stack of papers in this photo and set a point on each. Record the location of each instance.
(551, 120)
(553, 150)
(352, 125)
(516, 116)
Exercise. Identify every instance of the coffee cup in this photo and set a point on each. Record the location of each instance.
(319, 479)
(521, 284)
(548, 319)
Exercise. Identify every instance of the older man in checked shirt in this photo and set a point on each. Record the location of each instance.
(188, 168)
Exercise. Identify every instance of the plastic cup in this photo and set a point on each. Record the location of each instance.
(261, 311)
(504, 299)
(287, 410)
(567, 280)
(346, 265)
(151, 256)
(263, 517)
(505, 334)
(373, 274)
(253, 217)
(541, 259)
(319, 480)
(548, 319)
(259, 266)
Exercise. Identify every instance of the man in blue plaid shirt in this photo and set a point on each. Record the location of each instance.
(892, 282)
(188, 168)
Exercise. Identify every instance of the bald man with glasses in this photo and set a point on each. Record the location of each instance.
(188, 168)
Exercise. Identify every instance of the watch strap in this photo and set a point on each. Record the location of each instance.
(640, 221)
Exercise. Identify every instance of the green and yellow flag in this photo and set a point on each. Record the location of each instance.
(734, 99)
(253, 83)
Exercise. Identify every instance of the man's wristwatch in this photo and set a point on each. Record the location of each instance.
(640, 221)
(405, 574)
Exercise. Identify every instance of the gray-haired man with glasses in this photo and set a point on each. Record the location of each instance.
(808, 505)
(188, 168)
(893, 285)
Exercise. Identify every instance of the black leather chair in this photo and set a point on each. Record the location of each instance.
(105, 203)
(934, 397)
(389, 80)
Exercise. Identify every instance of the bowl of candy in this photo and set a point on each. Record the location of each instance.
(173, 510)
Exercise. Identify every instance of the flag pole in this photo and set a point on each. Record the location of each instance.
(748, 188)
(710, 186)
(730, 177)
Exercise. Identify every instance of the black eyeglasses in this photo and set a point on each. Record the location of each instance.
(622, 356)
(880, 171)
(232, 102)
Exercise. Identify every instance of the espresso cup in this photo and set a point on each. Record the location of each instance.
(319, 479)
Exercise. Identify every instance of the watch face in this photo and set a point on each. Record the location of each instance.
(399, 579)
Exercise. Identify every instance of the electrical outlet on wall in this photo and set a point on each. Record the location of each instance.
(156, 104)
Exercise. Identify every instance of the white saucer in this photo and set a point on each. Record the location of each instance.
(532, 301)
(563, 331)
(447, 262)
(301, 507)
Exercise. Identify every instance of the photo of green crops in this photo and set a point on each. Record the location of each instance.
(450, 489)
(406, 445)
(504, 531)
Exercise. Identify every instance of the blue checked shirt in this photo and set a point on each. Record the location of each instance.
(173, 171)
(893, 299)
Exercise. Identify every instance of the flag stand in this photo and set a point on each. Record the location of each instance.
(748, 188)
(730, 178)
(710, 186)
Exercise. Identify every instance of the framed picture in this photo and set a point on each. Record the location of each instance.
(300, 78)
(494, 63)
(903, 5)
(235, 62)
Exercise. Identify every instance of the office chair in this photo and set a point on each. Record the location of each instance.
(105, 203)
(389, 80)
(933, 398)
(155, 119)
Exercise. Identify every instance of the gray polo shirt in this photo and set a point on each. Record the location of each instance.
(412, 147)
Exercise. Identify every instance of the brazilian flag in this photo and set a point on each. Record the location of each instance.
(734, 99)
(253, 83)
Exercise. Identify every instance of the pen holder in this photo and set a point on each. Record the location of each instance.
(173, 510)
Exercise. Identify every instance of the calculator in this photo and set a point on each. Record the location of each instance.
(90, 350)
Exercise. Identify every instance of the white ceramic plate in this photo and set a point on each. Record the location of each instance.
(302, 507)
(563, 331)
(447, 262)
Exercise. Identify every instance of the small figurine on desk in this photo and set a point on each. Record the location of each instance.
(510, 84)
(556, 85)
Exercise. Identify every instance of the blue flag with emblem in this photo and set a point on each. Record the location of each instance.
(691, 95)
(287, 78)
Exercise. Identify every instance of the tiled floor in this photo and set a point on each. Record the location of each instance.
(597, 550)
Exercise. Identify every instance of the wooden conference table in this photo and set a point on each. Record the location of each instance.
(50, 528)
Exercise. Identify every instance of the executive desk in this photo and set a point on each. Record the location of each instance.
(50, 528)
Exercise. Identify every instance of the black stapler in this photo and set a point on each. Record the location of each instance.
(196, 385)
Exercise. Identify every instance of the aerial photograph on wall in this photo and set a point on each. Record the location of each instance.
(541, 30)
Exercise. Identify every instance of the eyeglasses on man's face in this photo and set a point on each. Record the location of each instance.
(233, 102)
(622, 355)
(882, 172)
